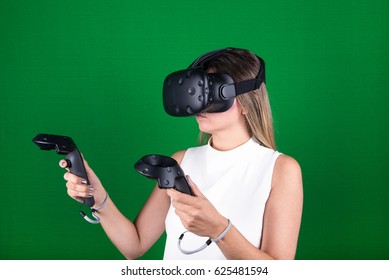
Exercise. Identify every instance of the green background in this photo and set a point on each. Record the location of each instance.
(94, 69)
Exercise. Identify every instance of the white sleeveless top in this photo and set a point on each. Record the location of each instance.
(236, 182)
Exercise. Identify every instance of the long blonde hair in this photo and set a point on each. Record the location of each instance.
(243, 65)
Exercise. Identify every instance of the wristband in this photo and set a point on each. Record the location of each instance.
(97, 219)
(217, 239)
(102, 204)
(207, 243)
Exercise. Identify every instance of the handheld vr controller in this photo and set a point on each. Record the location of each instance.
(64, 145)
(165, 170)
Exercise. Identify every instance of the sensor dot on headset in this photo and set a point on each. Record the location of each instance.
(189, 110)
(191, 90)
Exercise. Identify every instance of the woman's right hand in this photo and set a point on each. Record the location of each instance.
(77, 187)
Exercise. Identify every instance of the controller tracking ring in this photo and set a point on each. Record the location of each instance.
(165, 170)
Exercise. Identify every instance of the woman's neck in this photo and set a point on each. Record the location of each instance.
(226, 142)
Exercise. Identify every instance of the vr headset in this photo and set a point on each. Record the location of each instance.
(192, 91)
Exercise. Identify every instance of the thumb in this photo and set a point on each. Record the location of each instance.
(64, 164)
(194, 187)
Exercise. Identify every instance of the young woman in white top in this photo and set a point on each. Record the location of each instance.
(242, 186)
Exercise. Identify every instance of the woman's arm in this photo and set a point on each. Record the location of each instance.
(132, 239)
(283, 210)
(282, 217)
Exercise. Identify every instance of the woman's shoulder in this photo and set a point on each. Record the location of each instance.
(286, 169)
(287, 162)
(179, 155)
(192, 151)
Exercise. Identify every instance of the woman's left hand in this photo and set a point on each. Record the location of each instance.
(196, 212)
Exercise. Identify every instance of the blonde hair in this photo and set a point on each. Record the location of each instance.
(243, 65)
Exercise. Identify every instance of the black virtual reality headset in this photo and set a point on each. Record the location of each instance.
(192, 91)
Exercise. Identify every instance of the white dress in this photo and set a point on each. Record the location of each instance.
(236, 182)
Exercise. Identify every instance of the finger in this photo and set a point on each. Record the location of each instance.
(64, 164)
(182, 207)
(178, 196)
(184, 203)
(75, 195)
(77, 190)
(74, 178)
(194, 187)
(189, 222)
(183, 217)
(171, 192)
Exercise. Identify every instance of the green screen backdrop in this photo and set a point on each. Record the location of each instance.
(93, 70)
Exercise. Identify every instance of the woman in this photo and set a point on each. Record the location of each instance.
(247, 196)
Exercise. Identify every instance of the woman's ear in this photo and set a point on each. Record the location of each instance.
(243, 111)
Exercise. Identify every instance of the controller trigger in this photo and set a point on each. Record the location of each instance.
(68, 163)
